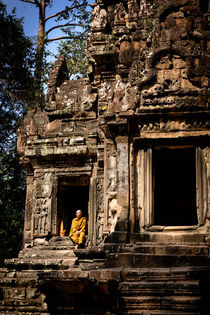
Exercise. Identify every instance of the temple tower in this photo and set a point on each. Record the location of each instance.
(130, 146)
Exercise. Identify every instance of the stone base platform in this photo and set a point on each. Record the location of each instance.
(147, 279)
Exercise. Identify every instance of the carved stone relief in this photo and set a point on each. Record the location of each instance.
(41, 217)
(133, 10)
(172, 82)
(42, 211)
(120, 15)
(123, 98)
(174, 125)
(99, 209)
(99, 20)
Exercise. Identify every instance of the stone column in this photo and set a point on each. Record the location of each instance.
(27, 237)
(92, 213)
(54, 210)
(123, 186)
(110, 185)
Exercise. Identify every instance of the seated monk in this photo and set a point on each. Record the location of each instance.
(78, 229)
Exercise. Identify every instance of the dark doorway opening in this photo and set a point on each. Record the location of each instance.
(204, 5)
(71, 198)
(174, 183)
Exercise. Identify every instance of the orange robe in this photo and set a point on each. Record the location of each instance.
(78, 225)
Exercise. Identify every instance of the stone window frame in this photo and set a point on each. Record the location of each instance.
(144, 191)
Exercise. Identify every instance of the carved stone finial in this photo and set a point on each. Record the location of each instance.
(57, 76)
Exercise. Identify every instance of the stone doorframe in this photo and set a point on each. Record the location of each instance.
(91, 234)
(142, 201)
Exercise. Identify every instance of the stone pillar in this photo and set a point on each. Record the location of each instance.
(134, 194)
(27, 237)
(116, 189)
(123, 184)
(92, 213)
(110, 185)
(54, 211)
(208, 181)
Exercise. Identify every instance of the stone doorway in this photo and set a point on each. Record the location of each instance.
(174, 186)
(71, 196)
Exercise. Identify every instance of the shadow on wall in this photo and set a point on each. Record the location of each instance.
(81, 297)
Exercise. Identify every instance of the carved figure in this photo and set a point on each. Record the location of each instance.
(119, 14)
(133, 9)
(99, 21)
(41, 220)
(100, 226)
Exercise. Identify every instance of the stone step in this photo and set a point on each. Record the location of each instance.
(39, 264)
(58, 240)
(164, 249)
(47, 253)
(160, 288)
(149, 260)
(48, 248)
(172, 303)
(172, 249)
(165, 274)
(154, 312)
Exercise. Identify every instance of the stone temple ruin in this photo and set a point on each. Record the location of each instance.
(129, 146)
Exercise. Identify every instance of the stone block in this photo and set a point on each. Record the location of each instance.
(193, 238)
(207, 240)
(32, 293)
(119, 259)
(141, 302)
(106, 274)
(77, 141)
(15, 293)
(117, 237)
(181, 303)
(143, 288)
(187, 288)
(145, 249)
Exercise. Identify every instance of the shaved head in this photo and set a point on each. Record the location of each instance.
(79, 213)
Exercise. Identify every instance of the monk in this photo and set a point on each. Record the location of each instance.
(78, 229)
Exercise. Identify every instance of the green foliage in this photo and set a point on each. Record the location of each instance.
(74, 50)
(16, 62)
(74, 22)
(12, 187)
(16, 92)
(77, 30)
(77, 14)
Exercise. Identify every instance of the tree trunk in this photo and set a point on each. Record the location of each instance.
(40, 53)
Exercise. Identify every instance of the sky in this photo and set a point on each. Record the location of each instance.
(29, 12)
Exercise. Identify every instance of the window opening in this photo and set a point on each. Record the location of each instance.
(174, 186)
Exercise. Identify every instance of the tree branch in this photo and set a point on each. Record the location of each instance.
(63, 37)
(63, 25)
(28, 1)
(31, 2)
(63, 11)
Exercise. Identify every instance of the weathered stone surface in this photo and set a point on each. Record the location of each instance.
(99, 145)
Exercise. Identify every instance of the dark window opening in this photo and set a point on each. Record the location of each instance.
(203, 4)
(70, 199)
(174, 183)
